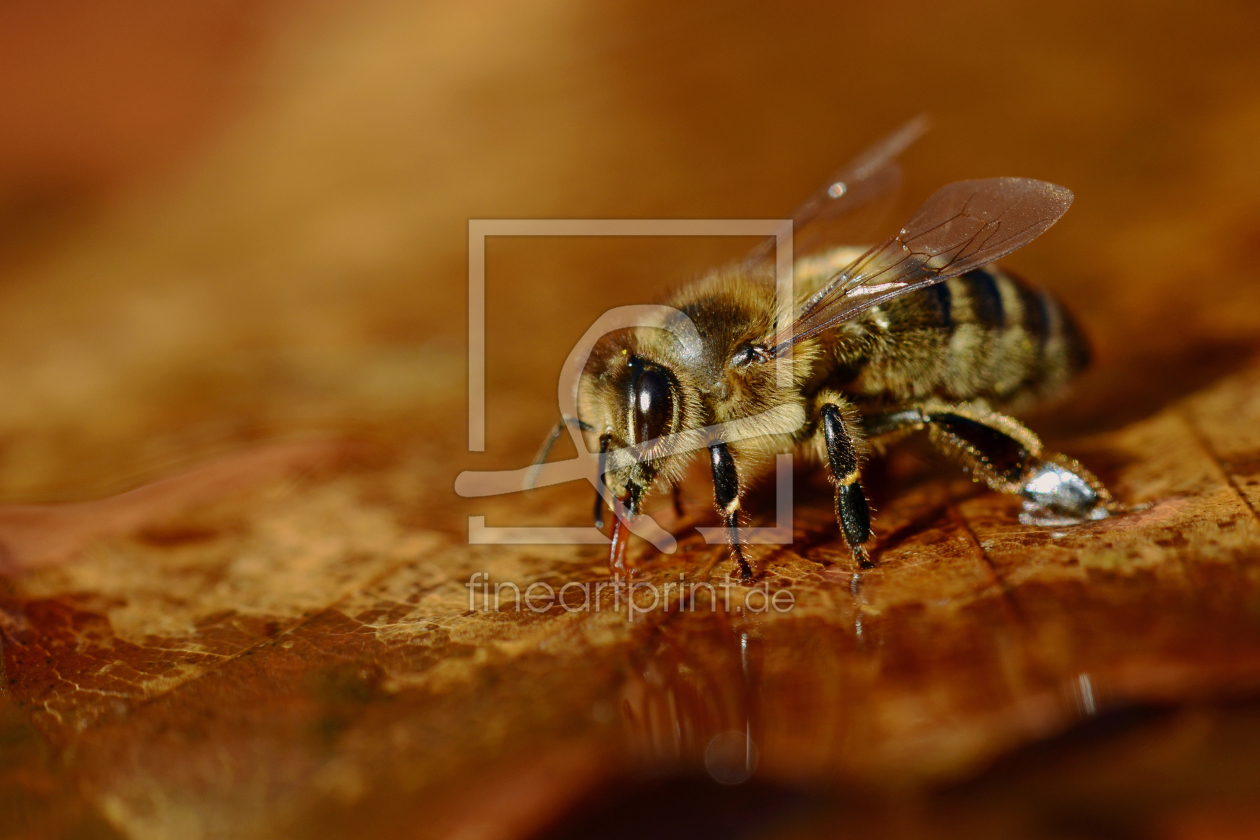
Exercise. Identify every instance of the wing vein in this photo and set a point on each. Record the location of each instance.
(963, 226)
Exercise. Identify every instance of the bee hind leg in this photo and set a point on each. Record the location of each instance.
(1009, 458)
(852, 511)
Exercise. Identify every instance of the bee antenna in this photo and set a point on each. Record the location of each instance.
(545, 451)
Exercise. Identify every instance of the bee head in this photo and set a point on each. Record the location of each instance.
(634, 400)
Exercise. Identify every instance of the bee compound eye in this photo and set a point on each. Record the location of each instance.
(652, 405)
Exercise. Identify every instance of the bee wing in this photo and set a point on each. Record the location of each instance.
(963, 226)
(871, 175)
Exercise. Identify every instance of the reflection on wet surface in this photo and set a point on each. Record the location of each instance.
(692, 701)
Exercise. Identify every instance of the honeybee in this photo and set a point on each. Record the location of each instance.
(921, 333)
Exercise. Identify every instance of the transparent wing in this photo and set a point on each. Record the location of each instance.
(963, 226)
(871, 175)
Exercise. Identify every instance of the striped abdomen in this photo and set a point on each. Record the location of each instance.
(985, 335)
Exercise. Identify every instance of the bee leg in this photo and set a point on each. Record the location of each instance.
(604, 441)
(678, 505)
(892, 423)
(726, 496)
(852, 511)
(1009, 458)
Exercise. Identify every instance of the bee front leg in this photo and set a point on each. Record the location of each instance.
(604, 442)
(852, 511)
(726, 497)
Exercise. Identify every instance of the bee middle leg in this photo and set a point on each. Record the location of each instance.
(1008, 457)
(852, 511)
